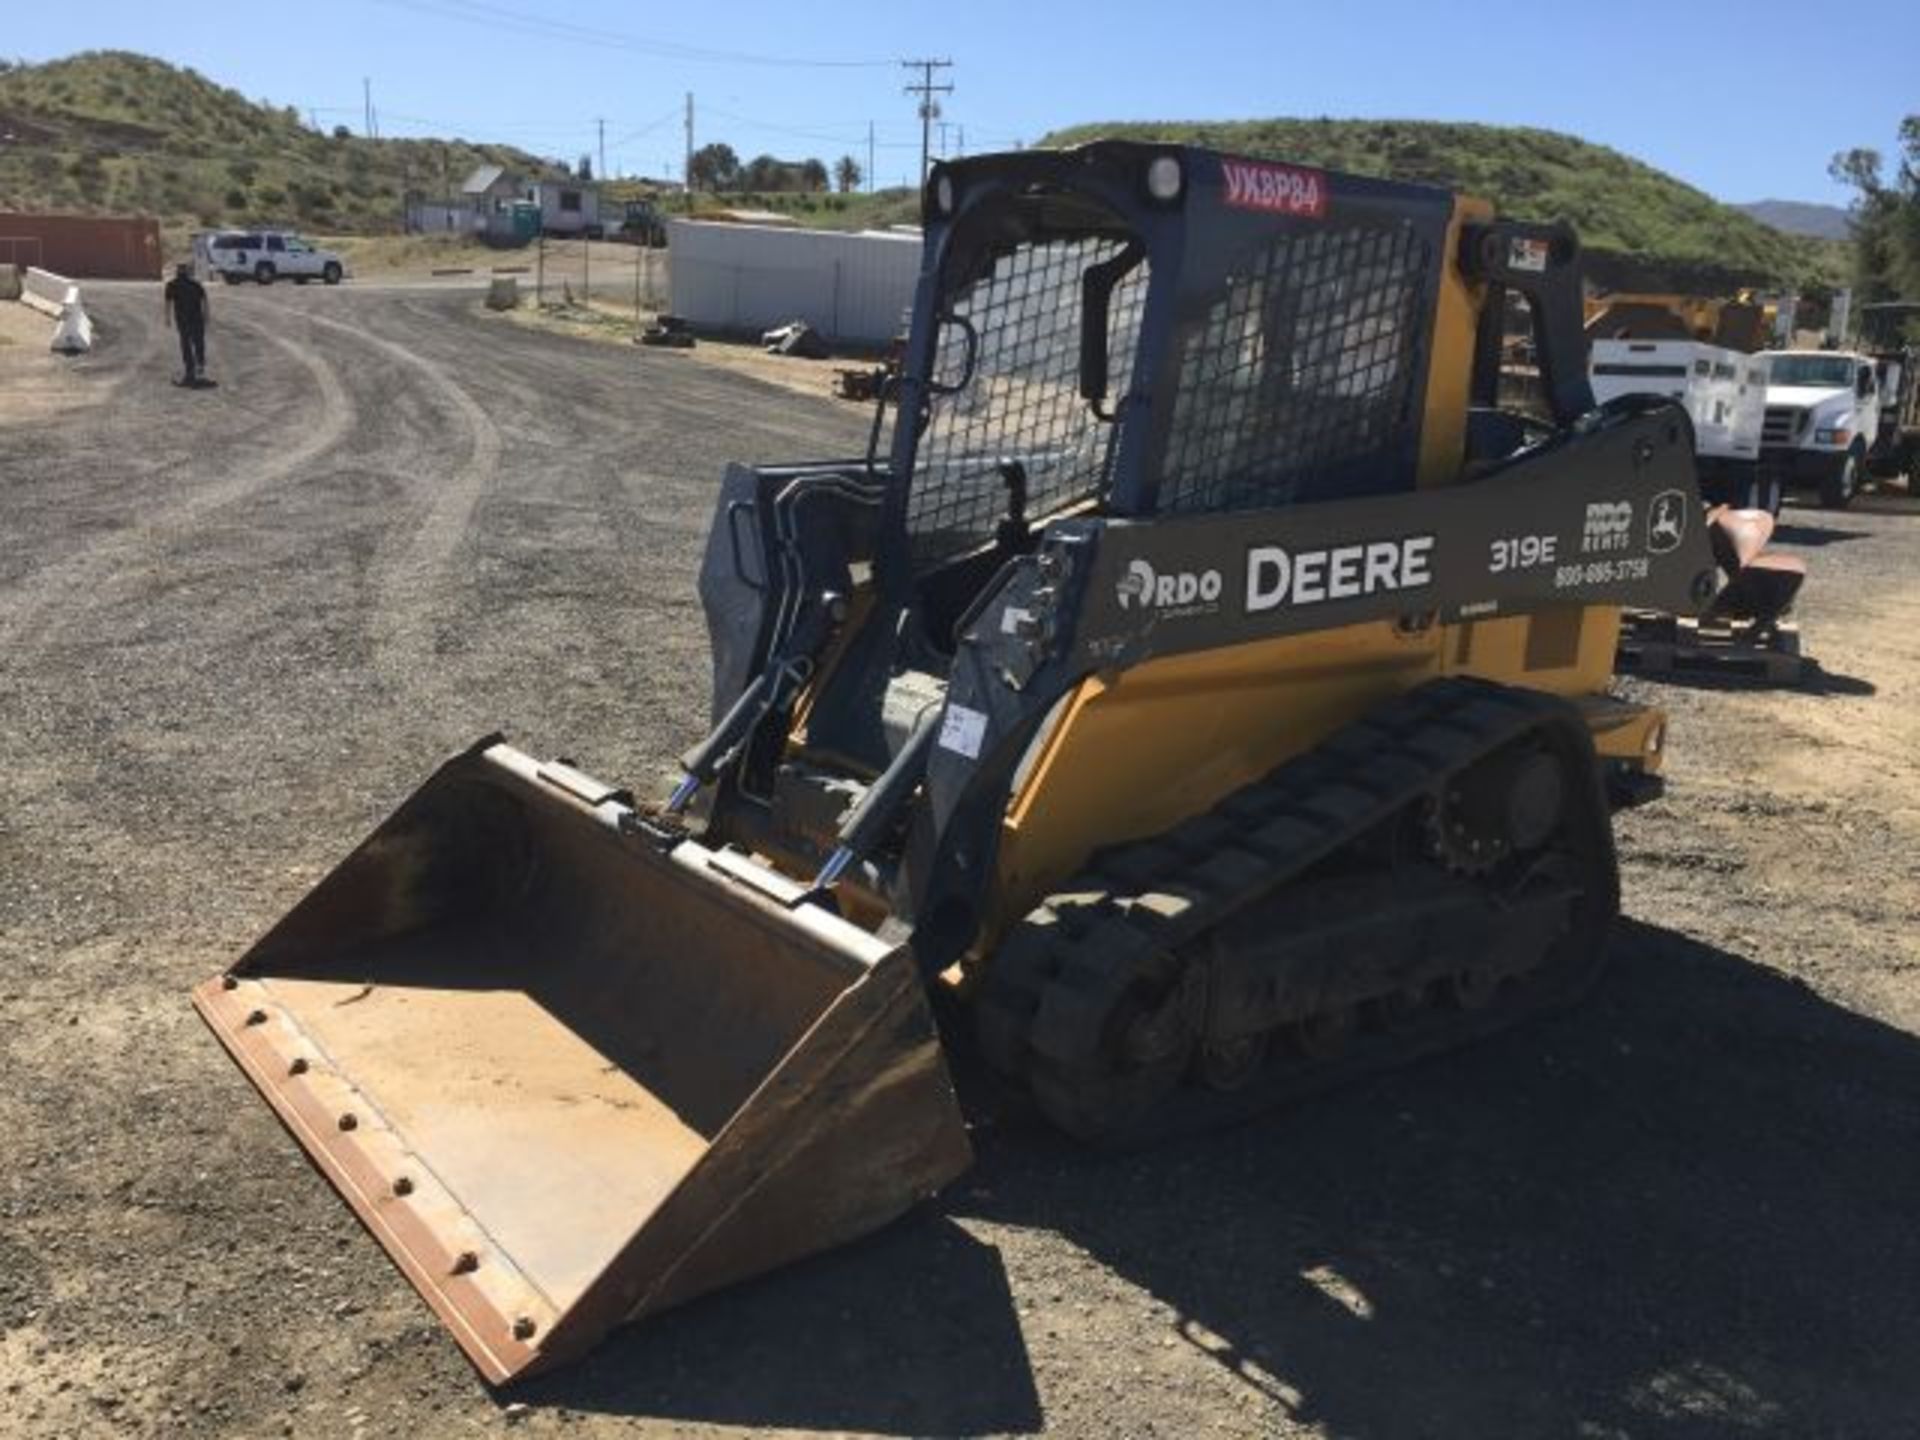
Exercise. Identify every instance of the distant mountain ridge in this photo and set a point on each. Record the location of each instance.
(115, 131)
(1639, 225)
(1802, 217)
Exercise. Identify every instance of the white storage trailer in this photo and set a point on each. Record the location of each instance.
(1725, 393)
(854, 288)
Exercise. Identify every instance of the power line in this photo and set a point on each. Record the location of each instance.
(648, 128)
(929, 107)
(802, 133)
(499, 17)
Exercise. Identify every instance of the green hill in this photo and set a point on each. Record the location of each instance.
(112, 131)
(118, 132)
(1640, 226)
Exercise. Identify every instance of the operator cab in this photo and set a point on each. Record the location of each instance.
(1129, 330)
(1119, 331)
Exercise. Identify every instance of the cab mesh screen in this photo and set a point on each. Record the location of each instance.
(1302, 379)
(1023, 402)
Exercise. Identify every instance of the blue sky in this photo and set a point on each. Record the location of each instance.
(1734, 98)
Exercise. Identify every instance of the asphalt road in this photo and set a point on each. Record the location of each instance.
(238, 625)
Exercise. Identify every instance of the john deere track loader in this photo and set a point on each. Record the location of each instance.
(1198, 687)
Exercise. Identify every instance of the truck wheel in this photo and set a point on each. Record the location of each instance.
(1838, 485)
(264, 272)
(1762, 492)
(332, 273)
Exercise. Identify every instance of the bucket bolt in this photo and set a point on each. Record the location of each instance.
(297, 1066)
(349, 1121)
(256, 1017)
(403, 1186)
(465, 1263)
(523, 1328)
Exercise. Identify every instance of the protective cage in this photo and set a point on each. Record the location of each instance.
(1304, 378)
(1253, 357)
(1022, 321)
(569, 1077)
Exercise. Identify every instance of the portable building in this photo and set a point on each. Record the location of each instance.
(567, 207)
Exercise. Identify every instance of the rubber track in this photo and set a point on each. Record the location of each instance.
(1059, 974)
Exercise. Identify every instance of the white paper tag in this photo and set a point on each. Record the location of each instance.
(962, 730)
(1527, 254)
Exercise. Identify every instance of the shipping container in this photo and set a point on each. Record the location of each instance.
(854, 288)
(83, 247)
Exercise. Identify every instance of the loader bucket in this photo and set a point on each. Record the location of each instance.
(570, 1074)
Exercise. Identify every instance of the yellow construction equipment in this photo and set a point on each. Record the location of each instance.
(1198, 685)
(1746, 323)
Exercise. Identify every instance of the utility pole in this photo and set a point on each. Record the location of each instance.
(963, 142)
(943, 138)
(871, 182)
(601, 173)
(929, 107)
(686, 175)
(366, 91)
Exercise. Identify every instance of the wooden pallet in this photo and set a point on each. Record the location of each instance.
(1666, 645)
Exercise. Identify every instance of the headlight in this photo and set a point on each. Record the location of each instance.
(1836, 436)
(1164, 179)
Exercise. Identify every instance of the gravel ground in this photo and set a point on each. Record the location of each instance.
(238, 625)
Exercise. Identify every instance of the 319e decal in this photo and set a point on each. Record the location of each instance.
(1521, 552)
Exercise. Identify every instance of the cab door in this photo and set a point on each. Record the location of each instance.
(301, 259)
(1866, 389)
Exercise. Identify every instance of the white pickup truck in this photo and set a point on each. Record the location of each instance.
(265, 256)
(1823, 416)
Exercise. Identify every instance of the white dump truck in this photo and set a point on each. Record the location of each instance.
(1823, 417)
(1724, 391)
(1890, 333)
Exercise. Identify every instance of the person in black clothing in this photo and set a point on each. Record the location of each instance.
(186, 308)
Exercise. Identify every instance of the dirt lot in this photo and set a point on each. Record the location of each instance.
(32, 385)
(238, 625)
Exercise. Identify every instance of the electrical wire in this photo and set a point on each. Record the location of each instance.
(499, 17)
(826, 137)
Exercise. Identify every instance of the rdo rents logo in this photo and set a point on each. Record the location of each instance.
(1141, 588)
(1609, 527)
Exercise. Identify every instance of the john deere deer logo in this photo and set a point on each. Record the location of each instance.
(1666, 522)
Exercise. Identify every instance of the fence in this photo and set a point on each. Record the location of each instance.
(580, 270)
